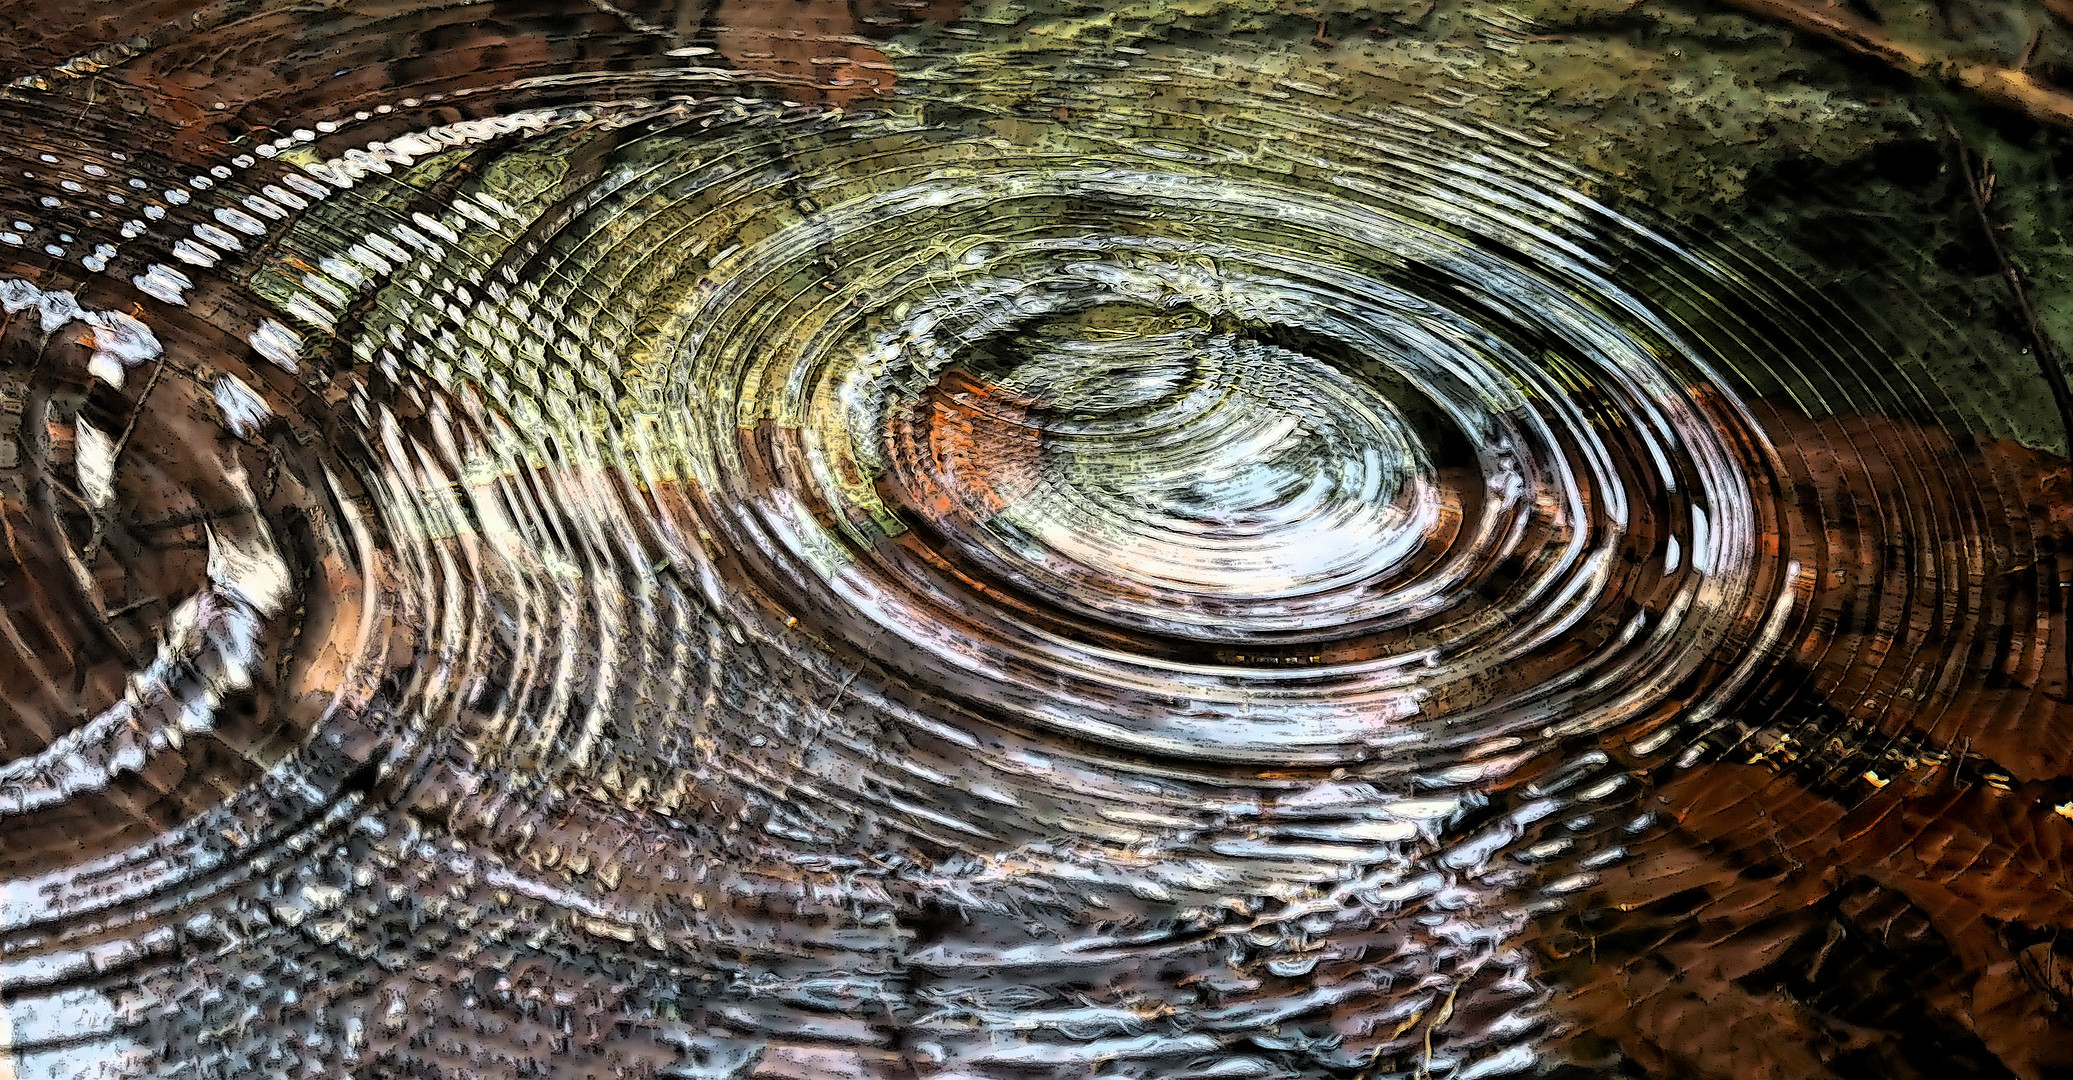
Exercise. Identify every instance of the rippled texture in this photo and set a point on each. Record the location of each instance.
(732, 543)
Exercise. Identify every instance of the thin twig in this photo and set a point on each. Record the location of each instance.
(2041, 346)
(2007, 87)
(93, 543)
(142, 400)
(133, 605)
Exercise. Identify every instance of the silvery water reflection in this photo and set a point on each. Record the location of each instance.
(721, 543)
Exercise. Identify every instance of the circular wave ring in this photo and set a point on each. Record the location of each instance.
(942, 586)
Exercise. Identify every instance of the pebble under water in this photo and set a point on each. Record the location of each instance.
(559, 541)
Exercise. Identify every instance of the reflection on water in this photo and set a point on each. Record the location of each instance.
(875, 540)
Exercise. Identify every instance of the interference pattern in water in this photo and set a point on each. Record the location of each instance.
(597, 542)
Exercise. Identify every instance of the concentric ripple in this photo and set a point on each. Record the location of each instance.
(637, 572)
(1319, 466)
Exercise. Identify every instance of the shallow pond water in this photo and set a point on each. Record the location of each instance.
(795, 539)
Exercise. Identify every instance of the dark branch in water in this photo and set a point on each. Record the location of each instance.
(2004, 86)
(2047, 356)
